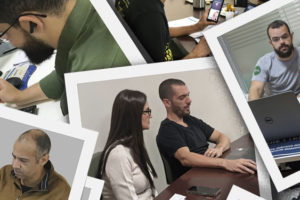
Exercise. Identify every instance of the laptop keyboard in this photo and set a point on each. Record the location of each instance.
(285, 147)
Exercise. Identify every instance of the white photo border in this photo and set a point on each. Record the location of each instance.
(89, 141)
(96, 186)
(234, 87)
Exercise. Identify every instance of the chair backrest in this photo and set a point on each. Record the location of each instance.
(94, 164)
(136, 41)
(168, 169)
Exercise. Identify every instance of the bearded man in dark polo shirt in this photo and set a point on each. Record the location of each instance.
(73, 27)
(31, 175)
(182, 139)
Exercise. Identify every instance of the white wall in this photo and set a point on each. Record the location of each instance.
(211, 101)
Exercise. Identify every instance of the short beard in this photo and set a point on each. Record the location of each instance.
(179, 113)
(285, 54)
(36, 50)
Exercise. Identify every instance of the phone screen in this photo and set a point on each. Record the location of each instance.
(215, 10)
(205, 191)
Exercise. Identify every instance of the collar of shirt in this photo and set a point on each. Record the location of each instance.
(43, 185)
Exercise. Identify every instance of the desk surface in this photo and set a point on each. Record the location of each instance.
(47, 109)
(214, 177)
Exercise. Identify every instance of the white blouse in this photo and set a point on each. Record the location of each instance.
(123, 177)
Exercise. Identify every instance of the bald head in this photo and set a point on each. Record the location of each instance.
(40, 138)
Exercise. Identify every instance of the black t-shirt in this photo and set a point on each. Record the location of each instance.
(172, 136)
(147, 20)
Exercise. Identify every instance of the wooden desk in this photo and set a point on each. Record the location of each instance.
(214, 177)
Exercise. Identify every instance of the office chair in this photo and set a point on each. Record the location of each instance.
(168, 169)
(137, 43)
(94, 164)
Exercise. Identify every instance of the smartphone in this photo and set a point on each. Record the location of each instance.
(205, 191)
(215, 10)
(31, 109)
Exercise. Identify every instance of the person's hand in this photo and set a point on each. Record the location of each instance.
(202, 49)
(213, 152)
(202, 23)
(8, 93)
(240, 165)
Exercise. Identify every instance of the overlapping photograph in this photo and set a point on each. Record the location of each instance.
(258, 55)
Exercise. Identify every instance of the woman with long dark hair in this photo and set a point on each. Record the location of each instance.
(125, 165)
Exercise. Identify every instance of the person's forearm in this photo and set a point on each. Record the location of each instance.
(198, 160)
(200, 50)
(253, 95)
(223, 143)
(190, 55)
(185, 30)
(256, 90)
(31, 94)
(196, 53)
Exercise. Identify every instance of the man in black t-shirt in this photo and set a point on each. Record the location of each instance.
(148, 21)
(182, 139)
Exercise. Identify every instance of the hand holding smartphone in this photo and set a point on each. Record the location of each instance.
(215, 10)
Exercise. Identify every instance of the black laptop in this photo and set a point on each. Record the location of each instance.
(278, 116)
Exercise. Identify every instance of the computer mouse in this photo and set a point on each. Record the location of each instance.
(15, 81)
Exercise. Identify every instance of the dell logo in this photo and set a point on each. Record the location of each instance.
(269, 120)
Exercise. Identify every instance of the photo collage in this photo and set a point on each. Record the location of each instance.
(156, 99)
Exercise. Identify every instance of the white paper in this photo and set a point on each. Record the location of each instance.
(177, 197)
(187, 22)
(237, 193)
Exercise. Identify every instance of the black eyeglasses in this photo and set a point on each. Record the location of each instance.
(148, 111)
(16, 20)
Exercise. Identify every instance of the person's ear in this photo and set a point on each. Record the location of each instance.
(44, 159)
(167, 103)
(31, 23)
(270, 42)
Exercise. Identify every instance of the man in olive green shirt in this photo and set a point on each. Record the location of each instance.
(73, 27)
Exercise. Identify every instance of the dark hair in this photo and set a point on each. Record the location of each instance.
(165, 88)
(126, 129)
(11, 9)
(277, 24)
(42, 140)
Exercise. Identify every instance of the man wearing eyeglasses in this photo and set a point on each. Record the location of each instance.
(183, 139)
(278, 70)
(31, 175)
(73, 27)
